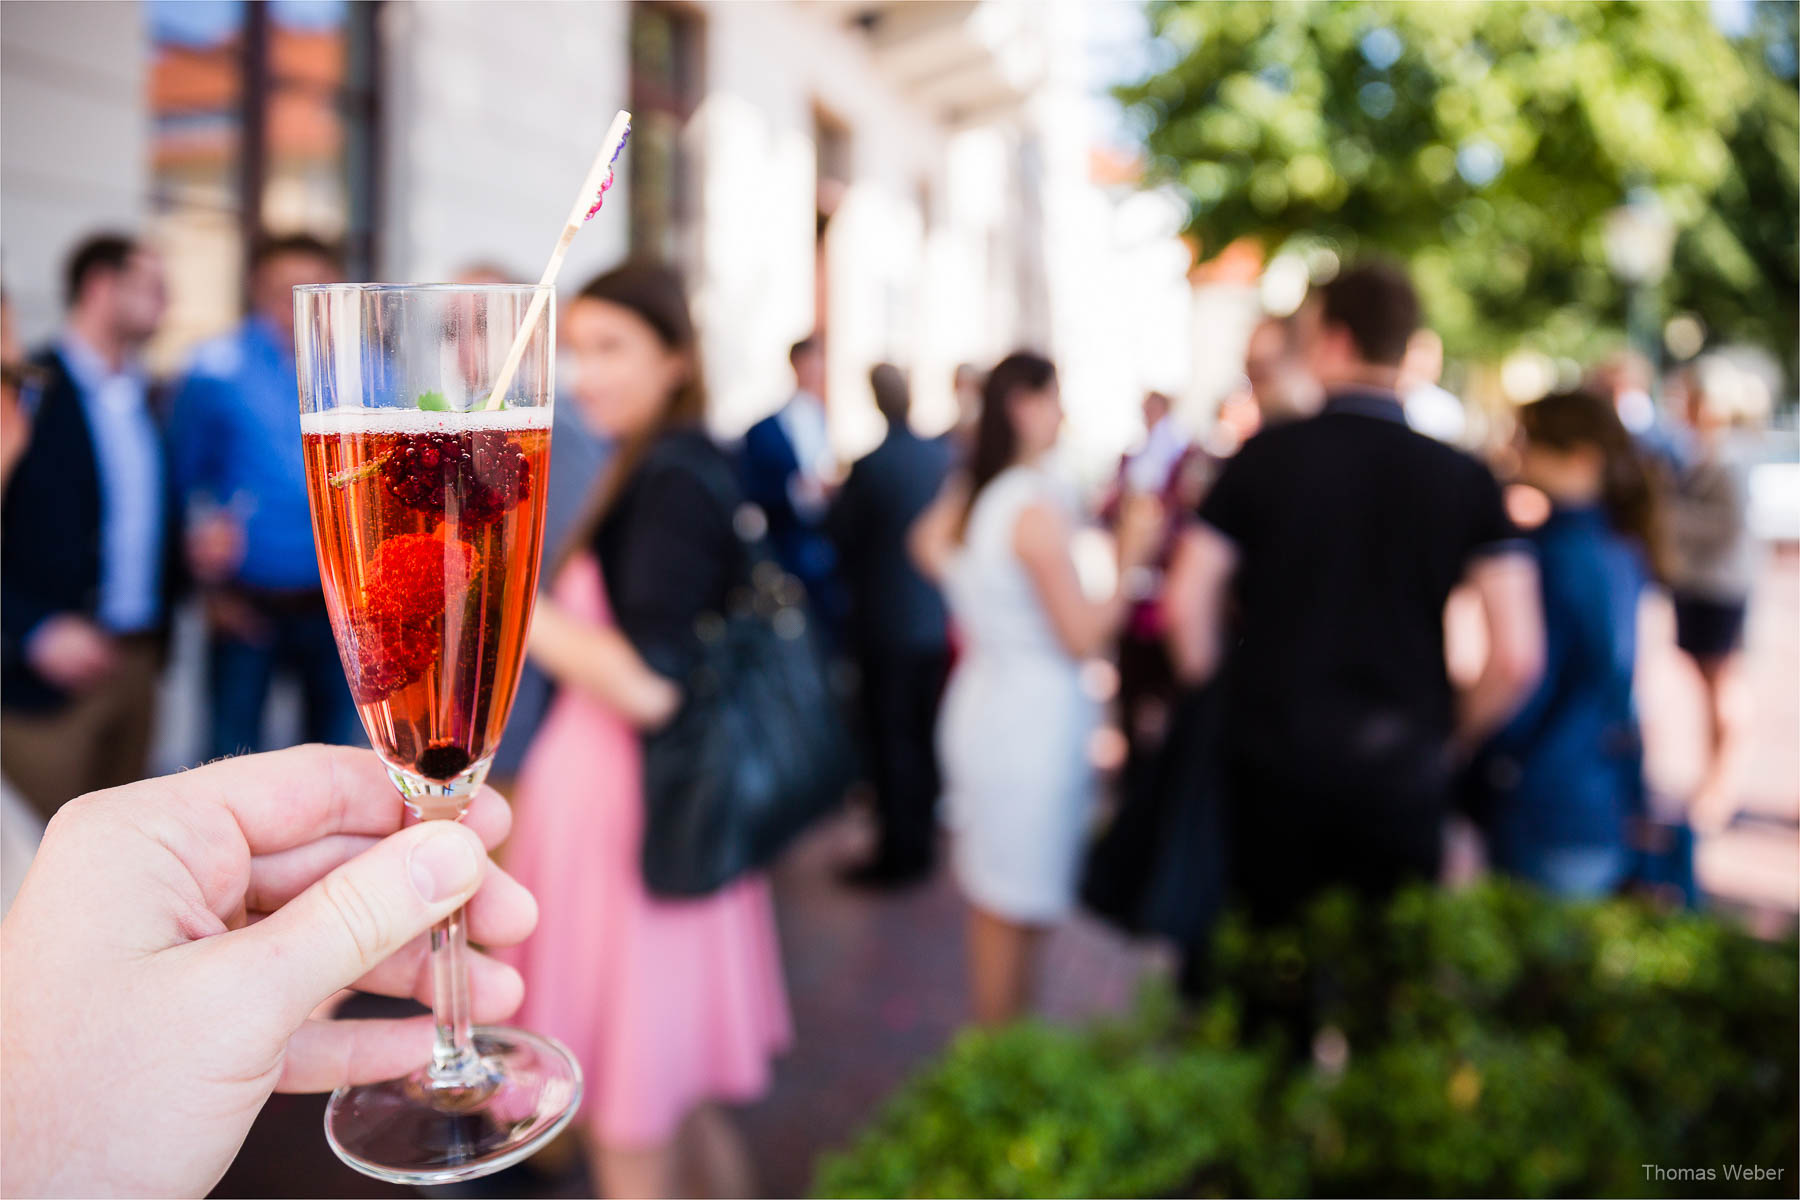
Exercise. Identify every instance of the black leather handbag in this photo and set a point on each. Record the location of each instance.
(1158, 869)
(759, 749)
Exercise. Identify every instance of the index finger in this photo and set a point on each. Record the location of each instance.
(289, 798)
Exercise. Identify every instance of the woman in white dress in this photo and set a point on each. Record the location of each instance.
(1015, 726)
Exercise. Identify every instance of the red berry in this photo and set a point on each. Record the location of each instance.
(485, 471)
(415, 575)
(388, 654)
(395, 637)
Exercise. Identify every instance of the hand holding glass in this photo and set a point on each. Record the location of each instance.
(427, 504)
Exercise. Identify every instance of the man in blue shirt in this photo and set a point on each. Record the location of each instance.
(235, 451)
(786, 465)
(86, 572)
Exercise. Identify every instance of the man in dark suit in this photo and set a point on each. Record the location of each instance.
(86, 542)
(897, 629)
(786, 466)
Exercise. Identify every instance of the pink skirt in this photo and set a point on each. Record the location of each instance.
(666, 1004)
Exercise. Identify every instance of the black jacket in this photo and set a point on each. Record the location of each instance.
(766, 462)
(50, 535)
(892, 606)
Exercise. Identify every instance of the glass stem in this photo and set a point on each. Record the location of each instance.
(454, 1062)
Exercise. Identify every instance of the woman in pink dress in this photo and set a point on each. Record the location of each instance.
(671, 1006)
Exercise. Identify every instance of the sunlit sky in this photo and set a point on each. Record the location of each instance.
(205, 22)
(1119, 50)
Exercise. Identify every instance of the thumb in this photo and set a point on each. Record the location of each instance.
(338, 929)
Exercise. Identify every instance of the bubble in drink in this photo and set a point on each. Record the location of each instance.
(427, 526)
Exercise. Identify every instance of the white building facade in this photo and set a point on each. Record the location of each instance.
(911, 178)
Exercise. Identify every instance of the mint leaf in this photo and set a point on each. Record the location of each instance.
(433, 402)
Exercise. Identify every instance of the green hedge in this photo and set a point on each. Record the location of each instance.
(1487, 1042)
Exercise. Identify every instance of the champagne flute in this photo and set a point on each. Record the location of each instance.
(427, 493)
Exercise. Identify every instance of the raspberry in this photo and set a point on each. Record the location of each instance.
(388, 654)
(415, 574)
(484, 473)
(394, 639)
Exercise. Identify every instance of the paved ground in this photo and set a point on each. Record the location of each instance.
(878, 985)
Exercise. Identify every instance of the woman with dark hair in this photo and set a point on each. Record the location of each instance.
(668, 1005)
(1564, 779)
(1015, 725)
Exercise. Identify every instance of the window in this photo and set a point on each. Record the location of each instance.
(831, 177)
(263, 119)
(666, 86)
(318, 113)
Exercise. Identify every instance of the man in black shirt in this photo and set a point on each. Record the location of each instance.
(1317, 577)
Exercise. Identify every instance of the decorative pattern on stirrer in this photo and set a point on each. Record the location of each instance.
(599, 178)
(600, 198)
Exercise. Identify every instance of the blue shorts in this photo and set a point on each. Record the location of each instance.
(1577, 872)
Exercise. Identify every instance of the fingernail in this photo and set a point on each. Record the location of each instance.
(442, 865)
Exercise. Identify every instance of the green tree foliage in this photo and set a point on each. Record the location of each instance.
(1484, 143)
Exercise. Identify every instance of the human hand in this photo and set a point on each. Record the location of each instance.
(550, 633)
(1646, 836)
(808, 494)
(15, 377)
(236, 617)
(171, 944)
(215, 546)
(599, 661)
(15, 430)
(1140, 530)
(71, 652)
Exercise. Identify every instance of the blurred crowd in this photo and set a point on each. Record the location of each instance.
(1270, 634)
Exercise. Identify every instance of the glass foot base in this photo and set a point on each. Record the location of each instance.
(406, 1131)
